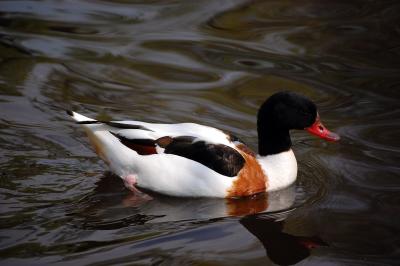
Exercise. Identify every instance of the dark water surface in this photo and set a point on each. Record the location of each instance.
(211, 62)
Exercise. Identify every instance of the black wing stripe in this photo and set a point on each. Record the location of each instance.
(114, 124)
(220, 158)
(88, 122)
(126, 126)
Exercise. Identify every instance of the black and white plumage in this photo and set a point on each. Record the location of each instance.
(221, 158)
(193, 160)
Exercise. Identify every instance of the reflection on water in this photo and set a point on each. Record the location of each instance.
(210, 62)
(281, 248)
(110, 202)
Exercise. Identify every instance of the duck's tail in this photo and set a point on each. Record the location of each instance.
(106, 145)
(95, 133)
(81, 119)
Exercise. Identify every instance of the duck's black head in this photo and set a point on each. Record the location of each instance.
(282, 112)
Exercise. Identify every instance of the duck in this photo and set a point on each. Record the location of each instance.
(193, 160)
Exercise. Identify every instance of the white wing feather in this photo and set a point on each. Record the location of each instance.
(155, 131)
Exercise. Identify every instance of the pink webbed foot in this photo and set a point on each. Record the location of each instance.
(130, 182)
(137, 197)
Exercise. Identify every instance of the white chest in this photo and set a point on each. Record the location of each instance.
(281, 169)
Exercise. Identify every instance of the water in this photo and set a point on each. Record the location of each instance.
(211, 62)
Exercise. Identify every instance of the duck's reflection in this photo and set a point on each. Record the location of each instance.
(281, 248)
(106, 208)
(110, 192)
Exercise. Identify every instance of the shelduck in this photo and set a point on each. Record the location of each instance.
(192, 160)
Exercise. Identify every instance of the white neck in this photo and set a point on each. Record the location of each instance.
(281, 169)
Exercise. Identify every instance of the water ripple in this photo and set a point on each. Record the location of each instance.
(211, 62)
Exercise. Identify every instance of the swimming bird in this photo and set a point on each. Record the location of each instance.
(192, 160)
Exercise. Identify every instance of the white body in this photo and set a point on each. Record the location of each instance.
(175, 175)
